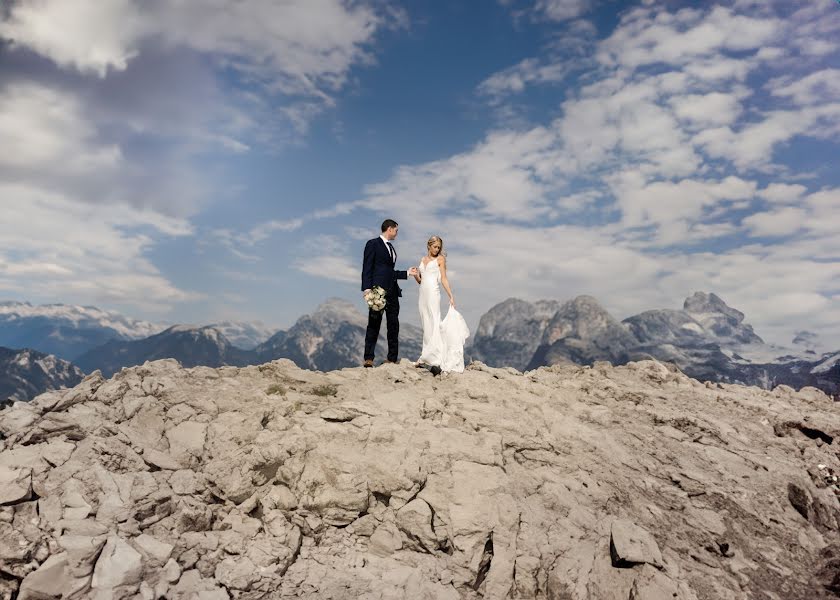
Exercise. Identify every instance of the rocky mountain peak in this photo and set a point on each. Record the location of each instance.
(336, 310)
(502, 319)
(719, 318)
(274, 482)
(703, 302)
(584, 318)
(27, 373)
(510, 332)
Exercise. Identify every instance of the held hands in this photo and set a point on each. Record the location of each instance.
(413, 271)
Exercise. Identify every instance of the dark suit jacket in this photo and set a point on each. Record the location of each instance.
(377, 268)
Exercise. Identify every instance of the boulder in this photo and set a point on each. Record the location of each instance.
(49, 581)
(631, 544)
(118, 565)
(15, 485)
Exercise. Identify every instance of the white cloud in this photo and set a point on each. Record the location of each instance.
(649, 36)
(308, 43)
(335, 268)
(89, 35)
(300, 51)
(781, 222)
(673, 207)
(563, 10)
(815, 88)
(783, 192)
(506, 176)
(55, 247)
(43, 129)
(715, 108)
(528, 72)
(753, 144)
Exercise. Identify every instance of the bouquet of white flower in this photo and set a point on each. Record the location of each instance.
(375, 298)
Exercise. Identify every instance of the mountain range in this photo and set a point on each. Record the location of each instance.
(706, 339)
(330, 338)
(69, 331)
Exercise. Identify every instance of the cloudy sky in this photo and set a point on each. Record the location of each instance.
(197, 160)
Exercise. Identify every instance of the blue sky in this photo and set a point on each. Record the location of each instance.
(196, 161)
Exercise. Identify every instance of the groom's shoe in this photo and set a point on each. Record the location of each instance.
(368, 363)
(393, 362)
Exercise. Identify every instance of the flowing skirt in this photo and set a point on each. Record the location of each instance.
(443, 341)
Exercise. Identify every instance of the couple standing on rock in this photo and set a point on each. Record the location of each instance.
(443, 340)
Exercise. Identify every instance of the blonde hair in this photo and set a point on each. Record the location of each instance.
(434, 239)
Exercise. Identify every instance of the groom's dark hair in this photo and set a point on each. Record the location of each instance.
(387, 224)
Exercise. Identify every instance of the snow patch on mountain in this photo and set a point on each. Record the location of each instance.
(826, 365)
(81, 316)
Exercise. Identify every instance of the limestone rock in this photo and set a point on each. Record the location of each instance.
(49, 581)
(158, 551)
(651, 584)
(385, 540)
(391, 483)
(631, 544)
(119, 564)
(415, 519)
(15, 485)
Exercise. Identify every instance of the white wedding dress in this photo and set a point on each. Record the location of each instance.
(443, 341)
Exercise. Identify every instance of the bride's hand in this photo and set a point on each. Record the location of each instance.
(452, 302)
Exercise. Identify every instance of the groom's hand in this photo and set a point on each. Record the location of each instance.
(365, 293)
(412, 271)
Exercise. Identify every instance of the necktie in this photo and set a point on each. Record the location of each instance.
(393, 252)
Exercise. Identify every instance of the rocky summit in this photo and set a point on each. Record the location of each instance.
(566, 482)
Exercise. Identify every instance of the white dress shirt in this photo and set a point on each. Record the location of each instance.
(389, 246)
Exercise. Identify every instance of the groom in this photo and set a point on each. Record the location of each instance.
(378, 269)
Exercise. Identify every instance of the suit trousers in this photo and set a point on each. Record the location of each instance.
(392, 318)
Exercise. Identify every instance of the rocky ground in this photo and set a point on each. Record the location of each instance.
(564, 483)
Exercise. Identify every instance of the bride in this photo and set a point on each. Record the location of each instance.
(443, 341)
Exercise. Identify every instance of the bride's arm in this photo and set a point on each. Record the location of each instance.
(444, 281)
(417, 273)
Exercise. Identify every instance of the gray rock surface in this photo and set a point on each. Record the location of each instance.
(721, 319)
(631, 544)
(582, 331)
(510, 332)
(390, 483)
